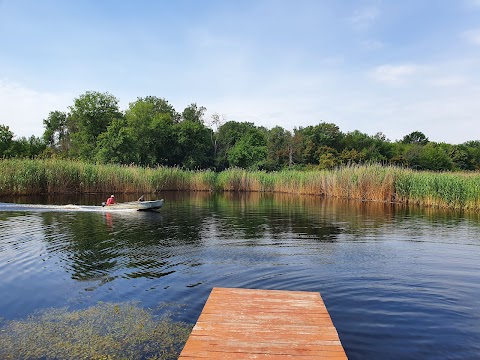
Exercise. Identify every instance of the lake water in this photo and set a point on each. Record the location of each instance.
(399, 283)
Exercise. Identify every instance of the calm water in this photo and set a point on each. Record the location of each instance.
(399, 283)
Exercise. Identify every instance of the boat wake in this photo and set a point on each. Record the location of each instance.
(69, 207)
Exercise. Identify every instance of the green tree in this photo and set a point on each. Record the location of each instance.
(415, 137)
(28, 147)
(352, 156)
(193, 113)
(150, 123)
(279, 148)
(398, 151)
(194, 148)
(249, 151)
(473, 154)
(432, 156)
(241, 144)
(56, 135)
(356, 140)
(459, 156)
(382, 146)
(297, 146)
(116, 144)
(361, 147)
(215, 123)
(315, 137)
(6, 140)
(227, 135)
(90, 115)
(328, 158)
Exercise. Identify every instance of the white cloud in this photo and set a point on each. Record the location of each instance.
(23, 109)
(442, 104)
(395, 74)
(472, 36)
(438, 115)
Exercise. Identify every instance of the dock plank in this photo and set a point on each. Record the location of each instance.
(263, 324)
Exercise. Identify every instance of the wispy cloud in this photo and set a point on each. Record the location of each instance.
(472, 36)
(395, 74)
(23, 109)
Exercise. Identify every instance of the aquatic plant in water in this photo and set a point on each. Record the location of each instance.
(104, 331)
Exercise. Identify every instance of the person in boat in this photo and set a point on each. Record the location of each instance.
(111, 200)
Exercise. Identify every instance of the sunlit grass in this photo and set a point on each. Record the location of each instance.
(105, 331)
(24, 177)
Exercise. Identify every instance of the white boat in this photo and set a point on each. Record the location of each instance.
(137, 205)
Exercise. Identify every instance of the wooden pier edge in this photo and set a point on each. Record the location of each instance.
(240, 323)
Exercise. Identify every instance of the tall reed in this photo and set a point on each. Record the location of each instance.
(367, 183)
(23, 177)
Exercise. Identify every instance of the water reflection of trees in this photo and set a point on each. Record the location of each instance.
(257, 215)
(96, 246)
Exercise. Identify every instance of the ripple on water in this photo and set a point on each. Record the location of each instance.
(396, 286)
(20, 247)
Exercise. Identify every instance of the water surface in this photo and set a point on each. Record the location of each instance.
(399, 283)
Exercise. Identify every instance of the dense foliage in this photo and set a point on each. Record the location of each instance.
(151, 133)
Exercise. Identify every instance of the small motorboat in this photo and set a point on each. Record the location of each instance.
(136, 205)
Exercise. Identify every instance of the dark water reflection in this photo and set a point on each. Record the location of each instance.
(399, 283)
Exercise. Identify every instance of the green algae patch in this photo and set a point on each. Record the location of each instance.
(105, 331)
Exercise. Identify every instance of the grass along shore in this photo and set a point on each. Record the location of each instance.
(366, 182)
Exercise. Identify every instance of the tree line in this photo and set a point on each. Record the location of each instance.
(152, 133)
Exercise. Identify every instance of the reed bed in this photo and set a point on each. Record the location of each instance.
(367, 183)
(54, 176)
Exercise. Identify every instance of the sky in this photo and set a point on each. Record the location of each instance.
(385, 66)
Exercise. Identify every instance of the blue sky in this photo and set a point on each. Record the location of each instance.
(389, 66)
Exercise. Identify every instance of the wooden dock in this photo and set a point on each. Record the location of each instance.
(263, 324)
